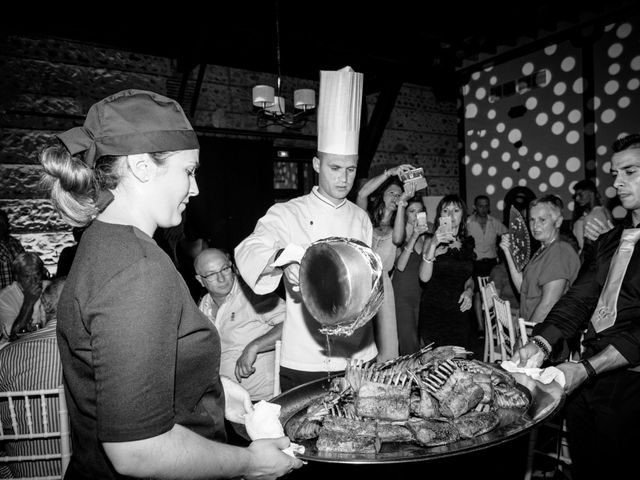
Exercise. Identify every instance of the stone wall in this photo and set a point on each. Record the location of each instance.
(48, 84)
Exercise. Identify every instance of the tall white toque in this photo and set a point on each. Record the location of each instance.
(339, 108)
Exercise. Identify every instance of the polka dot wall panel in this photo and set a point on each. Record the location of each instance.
(547, 119)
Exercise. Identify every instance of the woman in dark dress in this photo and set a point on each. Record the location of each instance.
(446, 277)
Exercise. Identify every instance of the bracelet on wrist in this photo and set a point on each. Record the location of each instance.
(591, 372)
(542, 345)
(427, 259)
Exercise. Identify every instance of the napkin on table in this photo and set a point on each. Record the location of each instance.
(264, 422)
(544, 375)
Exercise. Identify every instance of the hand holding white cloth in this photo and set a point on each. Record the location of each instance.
(544, 375)
(264, 422)
(289, 260)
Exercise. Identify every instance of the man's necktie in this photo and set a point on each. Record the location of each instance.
(606, 311)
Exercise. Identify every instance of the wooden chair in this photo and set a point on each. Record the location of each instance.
(276, 377)
(35, 433)
(491, 341)
(510, 336)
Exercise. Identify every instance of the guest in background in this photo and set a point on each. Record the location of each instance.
(68, 253)
(249, 324)
(446, 270)
(387, 218)
(10, 248)
(141, 362)
(603, 389)
(32, 362)
(20, 301)
(552, 268)
(406, 281)
(486, 231)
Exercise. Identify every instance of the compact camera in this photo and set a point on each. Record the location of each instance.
(415, 177)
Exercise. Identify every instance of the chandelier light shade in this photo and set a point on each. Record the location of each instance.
(270, 104)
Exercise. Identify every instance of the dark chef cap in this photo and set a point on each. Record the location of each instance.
(131, 122)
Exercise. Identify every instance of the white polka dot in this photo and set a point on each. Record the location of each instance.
(491, 114)
(493, 80)
(608, 116)
(531, 103)
(527, 68)
(500, 205)
(624, 30)
(635, 63)
(578, 85)
(473, 146)
(574, 116)
(572, 137)
(615, 50)
(602, 149)
(515, 165)
(514, 135)
(522, 182)
(500, 127)
(507, 183)
(488, 68)
(614, 69)
(481, 93)
(465, 89)
(573, 164)
(609, 27)
(476, 169)
(491, 171)
(571, 204)
(484, 154)
(551, 49)
(593, 103)
(633, 84)
(619, 212)
(471, 110)
(557, 128)
(475, 75)
(506, 156)
(542, 119)
(624, 102)
(543, 187)
(470, 132)
(606, 167)
(570, 186)
(466, 160)
(537, 156)
(490, 190)
(557, 107)
(552, 161)
(495, 143)
(611, 87)
(534, 172)
(556, 179)
(610, 192)
(523, 150)
(559, 88)
(567, 64)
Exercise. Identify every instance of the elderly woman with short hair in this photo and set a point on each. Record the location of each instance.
(551, 269)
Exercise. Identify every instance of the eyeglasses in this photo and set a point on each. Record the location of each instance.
(224, 272)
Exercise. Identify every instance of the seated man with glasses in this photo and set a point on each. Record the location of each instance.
(249, 324)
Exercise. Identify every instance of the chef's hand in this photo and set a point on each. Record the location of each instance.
(529, 356)
(244, 364)
(574, 375)
(237, 400)
(465, 300)
(596, 227)
(292, 275)
(268, 462)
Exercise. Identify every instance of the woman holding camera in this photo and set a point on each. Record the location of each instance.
(446, 269)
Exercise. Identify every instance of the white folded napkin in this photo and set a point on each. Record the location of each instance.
(544, 375)
(264, 422)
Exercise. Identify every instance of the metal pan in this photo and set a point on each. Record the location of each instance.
(546, 400)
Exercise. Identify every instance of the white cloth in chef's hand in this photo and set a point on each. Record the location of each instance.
(291, 254)
(264, 422)
(544, 375)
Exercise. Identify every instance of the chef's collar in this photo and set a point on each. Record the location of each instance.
(316, 191)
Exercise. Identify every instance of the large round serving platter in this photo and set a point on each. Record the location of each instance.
(546, 400)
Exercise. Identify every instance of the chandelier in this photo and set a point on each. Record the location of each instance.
(270, 104)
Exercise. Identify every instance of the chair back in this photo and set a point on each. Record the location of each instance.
(491, 342)
(35, 433)
(276, 376)
(511, 335)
